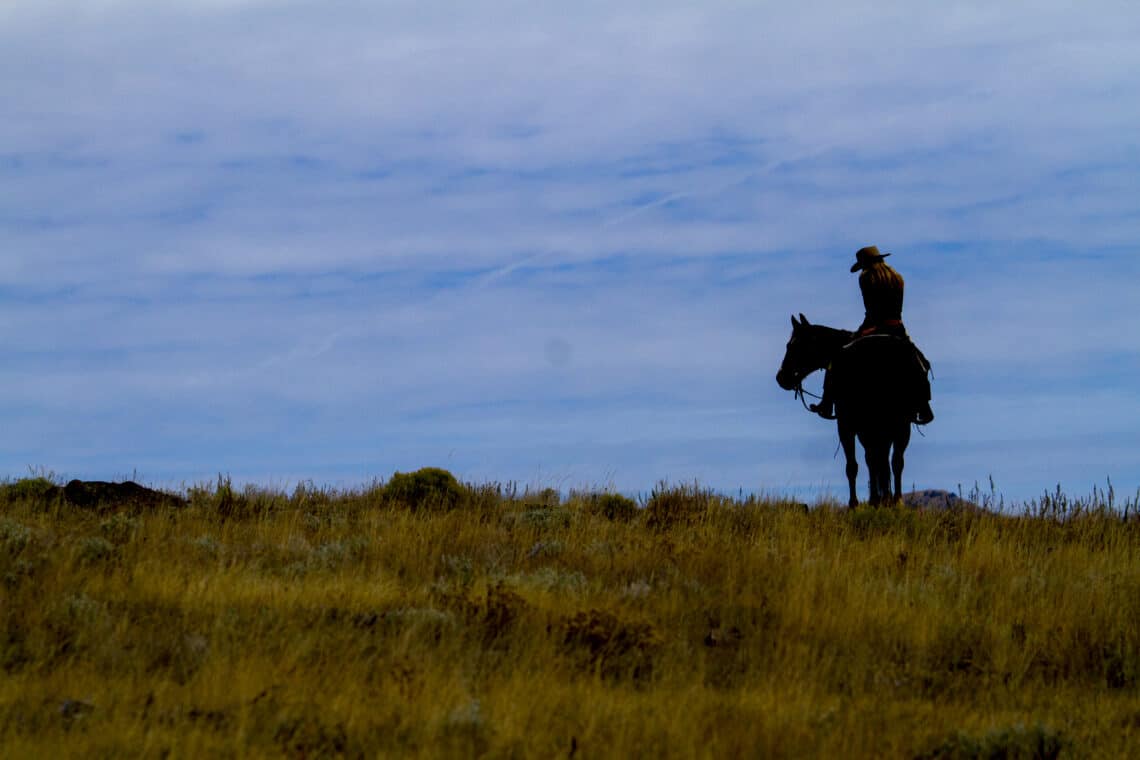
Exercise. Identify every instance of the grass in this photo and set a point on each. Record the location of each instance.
(429, 618)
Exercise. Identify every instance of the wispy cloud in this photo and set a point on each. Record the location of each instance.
(294, 239)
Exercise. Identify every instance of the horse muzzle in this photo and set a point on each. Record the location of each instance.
(787, 380)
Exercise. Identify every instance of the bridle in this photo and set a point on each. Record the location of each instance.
(800, 391)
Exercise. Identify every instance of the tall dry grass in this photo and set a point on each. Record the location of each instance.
(460, 621)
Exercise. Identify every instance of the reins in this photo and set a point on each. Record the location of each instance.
(800, 393)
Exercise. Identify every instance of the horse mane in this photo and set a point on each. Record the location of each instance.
(833, 334)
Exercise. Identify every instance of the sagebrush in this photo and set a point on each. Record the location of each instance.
(485, 621)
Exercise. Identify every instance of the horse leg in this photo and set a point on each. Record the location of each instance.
(872, 483)
(885, 473)
(898, 458)
(847, 439)
(873, 453)
(878, 462)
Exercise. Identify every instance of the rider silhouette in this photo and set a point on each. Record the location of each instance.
(882, 289)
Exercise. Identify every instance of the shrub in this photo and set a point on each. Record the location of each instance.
(542, 518)
(119, 528)
(1036, 743)
(333, 554)
(554, 579)
(221, 499)
(95, 549)
(547, 497)
(230, 503)
(207, 546)
(612, 506)
(29, 490)
(602, 642)
(14, 537)
(678, 505)
(425, 489)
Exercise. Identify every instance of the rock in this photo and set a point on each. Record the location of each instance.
(938, 499)
(99, 494)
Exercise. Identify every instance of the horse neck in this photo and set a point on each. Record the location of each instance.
(830, 340)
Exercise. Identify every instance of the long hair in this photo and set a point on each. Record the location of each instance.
(882, 290)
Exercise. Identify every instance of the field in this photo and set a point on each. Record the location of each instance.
(421, 617)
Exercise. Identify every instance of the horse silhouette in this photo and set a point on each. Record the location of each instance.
(873, 377)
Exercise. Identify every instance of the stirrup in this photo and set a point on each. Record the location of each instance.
(818, 409)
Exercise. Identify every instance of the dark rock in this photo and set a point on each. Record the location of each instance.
(98, 494)
(937, 499)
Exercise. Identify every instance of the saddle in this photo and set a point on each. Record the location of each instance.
(907, 370)
(891, 328)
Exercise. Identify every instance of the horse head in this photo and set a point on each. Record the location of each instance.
(802, 356)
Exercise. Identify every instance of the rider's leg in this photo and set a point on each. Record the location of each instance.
(924, 415)
(826, 406)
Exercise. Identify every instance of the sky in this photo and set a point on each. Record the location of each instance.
(559, 243)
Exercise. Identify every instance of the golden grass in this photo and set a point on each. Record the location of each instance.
(493, 624)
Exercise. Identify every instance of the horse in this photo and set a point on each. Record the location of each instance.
(872, 377)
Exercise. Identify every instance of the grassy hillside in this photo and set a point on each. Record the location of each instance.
(422, 617)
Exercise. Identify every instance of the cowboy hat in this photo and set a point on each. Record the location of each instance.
(864, 257)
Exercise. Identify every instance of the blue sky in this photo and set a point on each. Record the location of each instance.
(560, 244)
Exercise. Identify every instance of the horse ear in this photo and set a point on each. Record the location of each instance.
(803, 319)
(794, 322)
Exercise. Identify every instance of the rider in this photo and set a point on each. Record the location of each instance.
(882, 289)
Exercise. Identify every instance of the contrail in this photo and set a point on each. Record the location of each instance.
(489, 278)
(614, 221)
(500, 272)
(720, 188)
